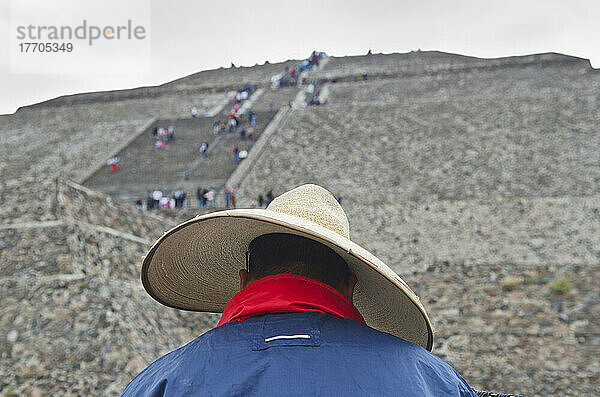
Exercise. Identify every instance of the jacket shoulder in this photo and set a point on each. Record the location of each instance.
(434, 376)
(154, 379)
(346, 356)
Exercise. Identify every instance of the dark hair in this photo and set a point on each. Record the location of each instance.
(278, 253)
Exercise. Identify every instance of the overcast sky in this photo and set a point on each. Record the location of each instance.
(192, 35)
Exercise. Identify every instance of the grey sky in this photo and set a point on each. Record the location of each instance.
(191, 35)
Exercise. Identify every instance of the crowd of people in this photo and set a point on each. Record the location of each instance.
(239, 155)
(157, 200)
(313, 89)
(234, 120)
(230, 196)
(247, 133)
(241, 95)
(163, 136)
(205, 198)
(263, 200)
(291, 75)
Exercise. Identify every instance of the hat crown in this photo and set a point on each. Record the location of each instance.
(313, 203)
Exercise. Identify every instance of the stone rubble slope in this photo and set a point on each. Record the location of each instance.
(75, 319)
(504, 329)
(373, 149)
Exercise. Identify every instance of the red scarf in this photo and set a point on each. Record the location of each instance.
(288, 293)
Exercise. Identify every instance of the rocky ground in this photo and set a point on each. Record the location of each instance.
(74, 316)
(509, 328)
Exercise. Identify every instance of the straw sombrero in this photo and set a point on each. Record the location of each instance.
(195, 265)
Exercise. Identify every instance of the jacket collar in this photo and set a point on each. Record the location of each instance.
(288, 293)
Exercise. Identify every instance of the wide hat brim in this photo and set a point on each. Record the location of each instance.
(195, 265)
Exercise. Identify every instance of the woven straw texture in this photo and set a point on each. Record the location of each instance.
(194, 266)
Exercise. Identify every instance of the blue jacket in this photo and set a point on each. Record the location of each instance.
(298, 354)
